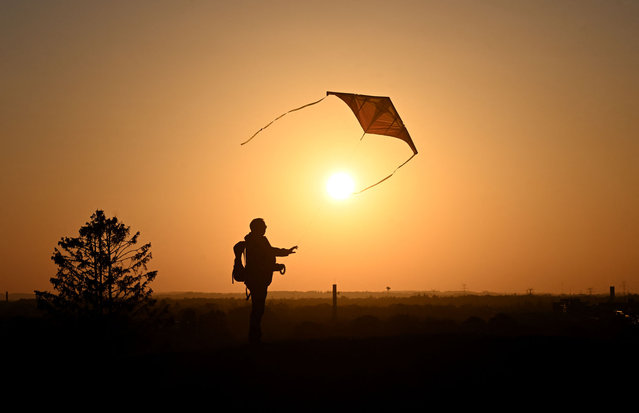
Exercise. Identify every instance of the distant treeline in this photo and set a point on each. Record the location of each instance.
(174, 324)
(9, 296)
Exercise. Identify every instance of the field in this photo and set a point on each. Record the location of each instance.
(375, 350)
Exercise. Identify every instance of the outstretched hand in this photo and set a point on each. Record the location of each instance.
(292, 250)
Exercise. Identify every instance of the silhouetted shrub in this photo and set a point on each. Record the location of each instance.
(438, 326)
(403, 324)
(187, 317)
(501, 322)
(309, 329)
(366, 325)
(474, 324)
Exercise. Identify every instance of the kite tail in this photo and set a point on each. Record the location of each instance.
(379, 182)
(292, 110)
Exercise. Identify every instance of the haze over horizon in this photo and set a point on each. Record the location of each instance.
(524, 114)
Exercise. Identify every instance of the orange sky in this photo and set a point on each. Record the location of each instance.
(524, 114)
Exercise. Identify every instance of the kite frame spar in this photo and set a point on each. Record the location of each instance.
(376, 115)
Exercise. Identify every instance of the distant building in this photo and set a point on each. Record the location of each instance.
(569, 305)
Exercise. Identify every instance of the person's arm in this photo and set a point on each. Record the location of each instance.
(283, 252)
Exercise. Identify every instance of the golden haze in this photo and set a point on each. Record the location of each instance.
(524, 114)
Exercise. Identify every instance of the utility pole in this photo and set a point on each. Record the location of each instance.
(334, 302)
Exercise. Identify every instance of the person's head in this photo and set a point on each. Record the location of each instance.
(258, 226)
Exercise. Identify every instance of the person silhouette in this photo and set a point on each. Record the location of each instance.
(260, 264)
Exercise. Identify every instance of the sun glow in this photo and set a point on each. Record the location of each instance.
(340, 185)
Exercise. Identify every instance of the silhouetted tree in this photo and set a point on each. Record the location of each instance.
(100, 272)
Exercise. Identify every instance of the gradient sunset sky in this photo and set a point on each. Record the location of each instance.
(524, 114)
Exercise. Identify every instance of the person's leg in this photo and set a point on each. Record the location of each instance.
(258, 300)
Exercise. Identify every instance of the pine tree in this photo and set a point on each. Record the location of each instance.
(101, 272)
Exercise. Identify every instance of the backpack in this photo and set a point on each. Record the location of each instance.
(239, 271)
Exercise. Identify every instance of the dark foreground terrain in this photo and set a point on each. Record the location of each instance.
(376, 353)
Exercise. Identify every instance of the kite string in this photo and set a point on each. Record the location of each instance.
(320, 205)
(379, 182)
(282, 115)
(305, 226)
(349, 158)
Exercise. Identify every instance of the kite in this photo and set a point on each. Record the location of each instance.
(376, 115)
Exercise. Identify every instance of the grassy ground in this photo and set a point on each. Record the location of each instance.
(378, 351)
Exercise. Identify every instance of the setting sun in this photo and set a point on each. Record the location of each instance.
(340, 185)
